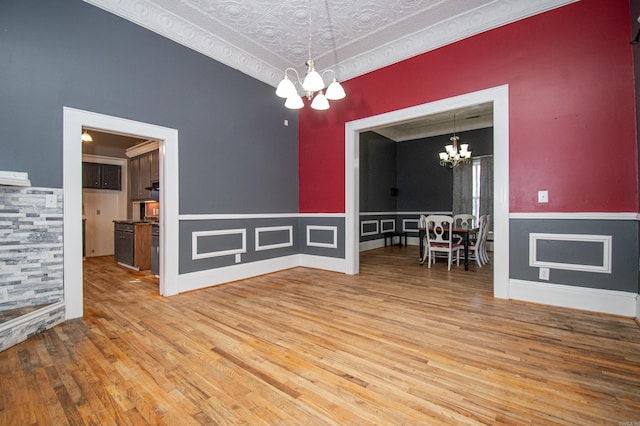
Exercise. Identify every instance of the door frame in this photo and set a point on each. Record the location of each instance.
(73, 122)
(499, 96)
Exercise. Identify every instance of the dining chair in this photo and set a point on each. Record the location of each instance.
(483, 251)
(440, 240)
(463, 220)
(476, 247)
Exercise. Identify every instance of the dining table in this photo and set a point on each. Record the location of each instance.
(464, 232)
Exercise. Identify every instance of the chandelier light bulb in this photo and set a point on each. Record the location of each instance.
(313, 81)
(286, 88)
(294, 102)
(320, 102)
(335, 91)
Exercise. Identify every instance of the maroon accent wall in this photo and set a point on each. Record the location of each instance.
(571, 106)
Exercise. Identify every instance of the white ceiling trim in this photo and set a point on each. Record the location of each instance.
(474, 21)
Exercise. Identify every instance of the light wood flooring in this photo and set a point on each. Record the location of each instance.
(399, 344)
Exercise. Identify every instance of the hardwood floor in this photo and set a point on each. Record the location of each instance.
(397, 344)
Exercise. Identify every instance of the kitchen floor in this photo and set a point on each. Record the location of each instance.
(92, 267)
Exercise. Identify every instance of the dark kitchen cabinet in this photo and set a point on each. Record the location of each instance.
(143, 170)
(155, 166)
(124, 243)
(101, 176)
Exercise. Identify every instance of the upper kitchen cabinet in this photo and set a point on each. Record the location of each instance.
(101, 176)
(143, 171)
(140, 176)
(155, 166)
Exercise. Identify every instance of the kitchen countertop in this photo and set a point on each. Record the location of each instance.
(136, 221)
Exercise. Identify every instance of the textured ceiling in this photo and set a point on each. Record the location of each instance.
(263, 37)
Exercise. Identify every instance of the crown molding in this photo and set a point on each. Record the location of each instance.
(492, 15)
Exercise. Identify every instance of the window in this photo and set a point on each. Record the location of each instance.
(475, 191)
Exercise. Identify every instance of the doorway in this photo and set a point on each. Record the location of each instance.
(499, 96)
(73, 122)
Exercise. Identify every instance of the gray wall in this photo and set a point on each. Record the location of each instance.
(413, 167)
(235, 154)
(377, 173)
(423, 184)
(624, 249)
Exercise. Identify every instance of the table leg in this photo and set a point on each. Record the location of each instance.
(421, 242)
(466, 251)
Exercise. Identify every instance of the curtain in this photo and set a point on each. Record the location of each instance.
(462, 189)
(486, 188)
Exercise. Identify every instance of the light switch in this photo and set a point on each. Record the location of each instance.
(543, 196)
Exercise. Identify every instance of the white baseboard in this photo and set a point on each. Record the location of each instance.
(374, 244)
(371, 244)
(321, 262)
(212, 277)
(590, 299)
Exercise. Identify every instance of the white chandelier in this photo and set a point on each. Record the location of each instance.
(312, 86)
(453, 157)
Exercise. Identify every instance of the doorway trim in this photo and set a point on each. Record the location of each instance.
(73, 121)
(499, 96)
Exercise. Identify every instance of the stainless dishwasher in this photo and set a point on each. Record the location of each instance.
(155, 249)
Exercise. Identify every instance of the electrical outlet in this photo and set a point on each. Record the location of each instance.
(238, 258)
(544, 274)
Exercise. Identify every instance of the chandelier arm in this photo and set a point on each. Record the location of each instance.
(329, 70)
(295, 72)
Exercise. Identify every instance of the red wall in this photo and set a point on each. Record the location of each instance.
(571, 107)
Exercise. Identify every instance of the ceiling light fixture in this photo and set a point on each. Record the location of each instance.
(312, 85)
(86, 137)
(451, 156)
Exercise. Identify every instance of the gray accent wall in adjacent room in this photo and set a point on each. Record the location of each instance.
(423, 184)
(377, 173)
(413, 168)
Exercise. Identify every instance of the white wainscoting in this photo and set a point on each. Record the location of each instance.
(364, 233)
(266, 229)
(195, 254)
(590, 299)
(392, 228)
(334, 233)
(605, 240)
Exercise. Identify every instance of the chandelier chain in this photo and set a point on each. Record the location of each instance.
(309, 31)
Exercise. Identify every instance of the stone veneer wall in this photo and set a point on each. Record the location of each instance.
(31, 259)
(20, 329)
